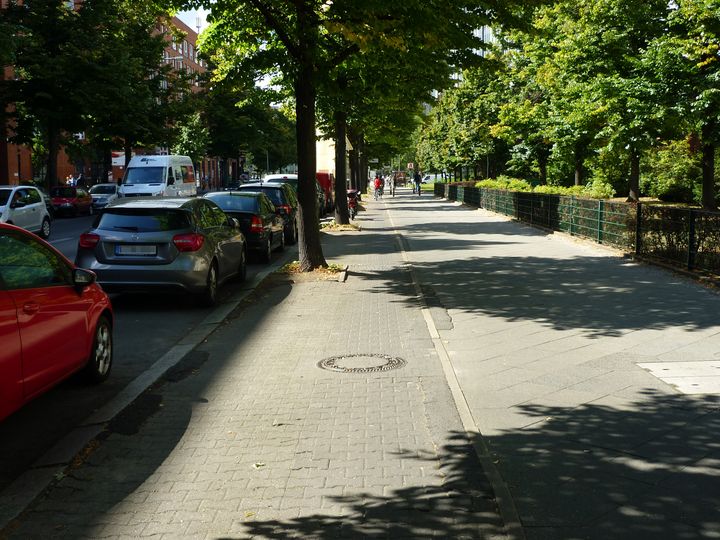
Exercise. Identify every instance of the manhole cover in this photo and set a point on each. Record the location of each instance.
(361, 363)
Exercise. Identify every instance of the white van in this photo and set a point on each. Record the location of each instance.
(159, 176)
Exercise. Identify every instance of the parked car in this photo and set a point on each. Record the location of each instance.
(260, 223)
(102, 195)
(164, 244)
(71, 200)
(292, 180)
(54, 320)
(285, 200)
(25, 207)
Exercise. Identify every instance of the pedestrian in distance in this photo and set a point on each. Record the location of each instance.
(417, 181)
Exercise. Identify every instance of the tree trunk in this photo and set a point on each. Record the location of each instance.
(708, 168)
(53, 142)
(341, 208)
(363, 165)
(310, 250)
(543, 155)
(579, 160)
(634, 180)
(128, 150)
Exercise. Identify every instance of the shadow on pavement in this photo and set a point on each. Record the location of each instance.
(460, 508)
(594, 472)
(602, 296)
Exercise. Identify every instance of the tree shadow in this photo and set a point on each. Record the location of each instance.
(601, 296)
(646, 470)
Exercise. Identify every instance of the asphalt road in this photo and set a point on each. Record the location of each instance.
(146, 327)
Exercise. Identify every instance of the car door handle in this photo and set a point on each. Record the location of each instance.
(31, 307)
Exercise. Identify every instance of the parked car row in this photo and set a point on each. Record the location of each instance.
(56, 318)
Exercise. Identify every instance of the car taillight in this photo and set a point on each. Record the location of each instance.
(88, 240)
(286, 207)
(188, 242)
(256, 224)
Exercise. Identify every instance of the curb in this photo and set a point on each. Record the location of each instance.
(503, 496)
(52, 465)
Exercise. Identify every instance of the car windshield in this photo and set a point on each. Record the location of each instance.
(235, 203)
(143, 220)
(103, 190)
(144, 175)
(65, 192)
(4, 196)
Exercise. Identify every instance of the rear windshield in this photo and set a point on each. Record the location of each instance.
(143, 220)
(103, 190)
(144, 175)
(67, 192)
(4, 195)
(235, 203)
(274, 194)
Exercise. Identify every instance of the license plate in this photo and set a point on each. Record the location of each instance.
(135, 249)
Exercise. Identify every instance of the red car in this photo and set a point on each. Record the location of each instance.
(71, 200)
(54, 320)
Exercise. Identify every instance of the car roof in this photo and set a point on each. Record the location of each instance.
(104, 184)
(152, 202)
(270, 177)
(18, 187)
(246, 194)
(254, 186)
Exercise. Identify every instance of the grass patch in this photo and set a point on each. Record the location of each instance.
(294, 268)
(332, 226)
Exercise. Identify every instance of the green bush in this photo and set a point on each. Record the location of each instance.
(597, 189)
(673, 173)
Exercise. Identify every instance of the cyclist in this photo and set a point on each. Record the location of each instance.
(378, 185)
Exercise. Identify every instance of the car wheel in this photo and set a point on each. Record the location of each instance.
(266, 253)
(100, 362)
(45, 228)
(242, 270)
(209, 295)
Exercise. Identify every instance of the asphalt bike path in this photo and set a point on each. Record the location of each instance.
(594, 380)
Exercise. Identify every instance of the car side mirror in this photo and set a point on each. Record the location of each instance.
(234, 223)
(82, 278)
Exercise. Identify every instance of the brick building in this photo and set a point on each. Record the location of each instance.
(180, 53)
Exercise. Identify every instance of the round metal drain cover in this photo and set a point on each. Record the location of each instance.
(361, 363)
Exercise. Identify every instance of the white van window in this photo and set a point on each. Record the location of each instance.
(144, 175)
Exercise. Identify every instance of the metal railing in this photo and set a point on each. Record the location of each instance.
(680, 237)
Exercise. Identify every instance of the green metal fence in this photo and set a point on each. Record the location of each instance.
(681, 237)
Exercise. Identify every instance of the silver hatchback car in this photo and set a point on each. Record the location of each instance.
(171, 244)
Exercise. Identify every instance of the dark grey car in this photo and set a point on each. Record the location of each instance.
(180, 244)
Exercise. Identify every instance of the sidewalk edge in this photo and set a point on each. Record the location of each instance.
(27, 487)
(503, 497)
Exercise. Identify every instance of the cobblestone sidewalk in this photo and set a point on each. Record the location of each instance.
(249, 438)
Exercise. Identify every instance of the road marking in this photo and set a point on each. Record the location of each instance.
(688, 377)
